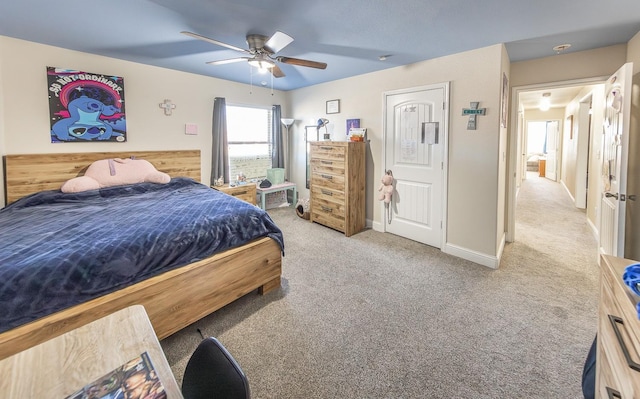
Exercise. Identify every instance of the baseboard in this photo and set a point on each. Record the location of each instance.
(463, 253)
(473, 256)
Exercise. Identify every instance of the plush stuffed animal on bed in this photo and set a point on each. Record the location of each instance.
(386, 189)
(115, 172)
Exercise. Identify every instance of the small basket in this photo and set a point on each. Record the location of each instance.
(275, 175)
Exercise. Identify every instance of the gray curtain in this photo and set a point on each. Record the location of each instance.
(277, 141)
(220, 145)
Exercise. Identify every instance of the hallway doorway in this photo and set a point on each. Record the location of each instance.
(560, 98)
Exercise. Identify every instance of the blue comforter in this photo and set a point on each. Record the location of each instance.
(58, 250)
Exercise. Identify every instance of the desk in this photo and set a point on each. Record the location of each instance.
(65, 364)
(276, 188)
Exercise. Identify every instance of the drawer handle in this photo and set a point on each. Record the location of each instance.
(328, 177)
(613, 394)
(327, 148)
(326, 209)
(614, 322)
(325, 192)
(327, 162)
(239, 193)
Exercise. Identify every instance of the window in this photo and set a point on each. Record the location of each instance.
(249, 138)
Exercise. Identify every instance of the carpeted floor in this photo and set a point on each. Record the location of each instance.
(378, 316)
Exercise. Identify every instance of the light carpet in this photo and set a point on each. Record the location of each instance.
(379, 316)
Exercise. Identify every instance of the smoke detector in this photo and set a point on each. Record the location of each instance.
(561, 47)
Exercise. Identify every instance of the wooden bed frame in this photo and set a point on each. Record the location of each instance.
(174, 299)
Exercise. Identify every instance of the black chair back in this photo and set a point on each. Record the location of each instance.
(213, 373)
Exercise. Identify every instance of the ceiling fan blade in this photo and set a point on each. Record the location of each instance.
(228, 61)
(277, 72)
(206, 39)
(278, 41)
(300, 62)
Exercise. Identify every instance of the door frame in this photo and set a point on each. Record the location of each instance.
(443, 133)
(514, 139)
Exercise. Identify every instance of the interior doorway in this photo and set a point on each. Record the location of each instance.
(526, 101)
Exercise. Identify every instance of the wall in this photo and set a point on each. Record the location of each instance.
(633, 52)
(474, 158)
(26, 125)
(600, 62)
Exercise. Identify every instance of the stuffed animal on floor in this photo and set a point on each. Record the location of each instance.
(386, 189)
(115, 172)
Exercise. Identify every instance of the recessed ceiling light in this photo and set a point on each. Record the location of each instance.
(384, 57)
(561, 47)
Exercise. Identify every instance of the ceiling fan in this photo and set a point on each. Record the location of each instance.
(262, 52)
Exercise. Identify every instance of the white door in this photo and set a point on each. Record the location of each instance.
(552, 151)
(415, 132)
(614, 160)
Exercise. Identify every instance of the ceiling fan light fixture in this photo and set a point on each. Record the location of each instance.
(545, 103)
(262, 63)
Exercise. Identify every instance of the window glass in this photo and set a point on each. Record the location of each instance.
(249, 135)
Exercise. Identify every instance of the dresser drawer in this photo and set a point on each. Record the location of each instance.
(618, 362)
(332, 182)
(328, 152)
(329, 214)
(616, 336)
(327, 166)
(625, 301)
(322, 193)
(607, 383)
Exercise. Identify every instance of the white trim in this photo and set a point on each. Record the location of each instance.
(472, 256)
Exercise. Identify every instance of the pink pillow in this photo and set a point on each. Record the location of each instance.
(115, 172)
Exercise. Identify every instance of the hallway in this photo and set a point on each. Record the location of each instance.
(547, 221)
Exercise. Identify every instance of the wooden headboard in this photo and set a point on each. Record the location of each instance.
(29, 173)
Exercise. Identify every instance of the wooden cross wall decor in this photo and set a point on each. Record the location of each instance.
(472, 112)
(167, 106)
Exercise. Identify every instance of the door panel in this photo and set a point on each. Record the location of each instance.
(614, 161)
(414, 143)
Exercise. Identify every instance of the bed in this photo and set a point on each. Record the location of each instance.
(186, 287)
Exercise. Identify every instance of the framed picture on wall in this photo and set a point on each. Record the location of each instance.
(86, 107)
(333, 107)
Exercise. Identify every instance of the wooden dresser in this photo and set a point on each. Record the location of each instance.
(618, 356)
(245, 192)
(337, 185)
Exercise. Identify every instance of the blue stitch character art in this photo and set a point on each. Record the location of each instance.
(85, 106)
(84, 122)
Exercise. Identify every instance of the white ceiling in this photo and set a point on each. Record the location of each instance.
(559, 97)
(349, 36)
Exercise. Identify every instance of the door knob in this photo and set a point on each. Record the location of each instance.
(609, 195)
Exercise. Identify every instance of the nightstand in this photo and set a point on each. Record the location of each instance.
(245, 192)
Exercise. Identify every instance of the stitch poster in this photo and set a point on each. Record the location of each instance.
(85, 107)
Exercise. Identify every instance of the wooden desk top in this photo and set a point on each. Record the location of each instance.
(65, 364)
